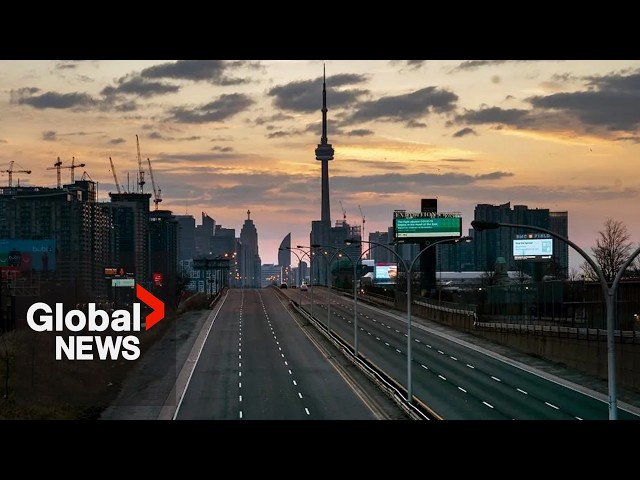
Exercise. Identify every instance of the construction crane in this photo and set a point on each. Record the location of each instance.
(73, 166)
(344, 213)
(156, 192)
(11, 171)
(362, 237)
(56, 166)
(141, 181)
(115, 177)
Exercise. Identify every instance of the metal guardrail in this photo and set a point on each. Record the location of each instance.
(632, 336)
(417, 410)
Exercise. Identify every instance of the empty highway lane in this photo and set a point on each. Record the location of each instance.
(258, 363)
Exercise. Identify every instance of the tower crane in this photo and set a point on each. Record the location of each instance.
(57, 167)
(115, 177)
(156, 192)
(141, 181)
(73, 166)
(362, 237)
(344, 213)
(11, 171)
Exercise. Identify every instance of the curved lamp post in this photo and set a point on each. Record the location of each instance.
(337, 250)
(609, 296)
(408, 269)
(308, 254)
(299, 264)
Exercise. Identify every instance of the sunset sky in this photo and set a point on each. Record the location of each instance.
(225, 137)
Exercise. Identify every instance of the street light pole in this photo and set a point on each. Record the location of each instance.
(315, 245)
(408, 294)
(301, 247)
(608, 292)
(299, 267)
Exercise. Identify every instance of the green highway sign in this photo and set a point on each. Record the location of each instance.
(427, 227)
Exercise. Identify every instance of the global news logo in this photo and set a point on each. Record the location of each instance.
(41, 317)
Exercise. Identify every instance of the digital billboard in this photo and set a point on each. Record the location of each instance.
(28, 255)
(424, 225)
(386, 272)
(532, 247)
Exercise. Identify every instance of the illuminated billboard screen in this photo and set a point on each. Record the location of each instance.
(418, 227)
(386, 272)
(532, 247)
(28, 255)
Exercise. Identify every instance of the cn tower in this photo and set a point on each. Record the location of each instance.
(324, 153)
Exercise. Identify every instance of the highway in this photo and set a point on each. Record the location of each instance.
(457, 380)
(257, 363)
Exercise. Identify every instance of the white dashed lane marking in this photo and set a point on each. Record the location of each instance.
(488, 404)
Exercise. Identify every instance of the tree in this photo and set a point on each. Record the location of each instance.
(611, 251)
(574, 274)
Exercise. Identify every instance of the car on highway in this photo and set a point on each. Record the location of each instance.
(304, 287)
(284, 285)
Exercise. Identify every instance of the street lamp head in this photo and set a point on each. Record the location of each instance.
(480, 225)
(315, 245)
(466, 239)
(351, 241)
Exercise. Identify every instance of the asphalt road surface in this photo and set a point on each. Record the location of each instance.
(249, 358)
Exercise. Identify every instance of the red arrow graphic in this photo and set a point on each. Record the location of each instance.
(154, 302)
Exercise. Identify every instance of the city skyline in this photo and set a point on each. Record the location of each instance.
(227, 137)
